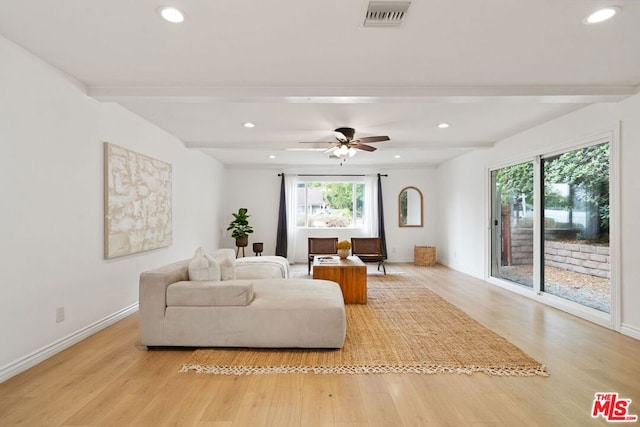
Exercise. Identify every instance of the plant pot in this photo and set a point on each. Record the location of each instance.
(343, 253)
(242, 241)
(258, 247)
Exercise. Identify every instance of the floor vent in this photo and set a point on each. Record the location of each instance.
(386, 13)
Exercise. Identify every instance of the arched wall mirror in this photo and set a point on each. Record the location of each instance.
(410, 207)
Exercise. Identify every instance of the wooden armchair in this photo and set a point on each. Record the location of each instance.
(368, 249)
(321, 246)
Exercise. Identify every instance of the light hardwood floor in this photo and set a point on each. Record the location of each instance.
(109, 379)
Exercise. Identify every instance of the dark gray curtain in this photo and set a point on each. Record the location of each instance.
(381, 234)
(281, 240)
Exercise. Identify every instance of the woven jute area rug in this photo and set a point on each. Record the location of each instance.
(404, 328)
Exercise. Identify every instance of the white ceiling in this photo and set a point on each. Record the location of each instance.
(299, 69)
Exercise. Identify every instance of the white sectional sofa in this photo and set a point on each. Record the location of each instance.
(255, 311)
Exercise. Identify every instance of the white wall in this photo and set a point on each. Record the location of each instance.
(401, 240)
(51, 219)
(464, 192)
(259, 191)
(629, 114)
(461, 213)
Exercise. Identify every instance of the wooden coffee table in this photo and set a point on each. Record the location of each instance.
(349, 273)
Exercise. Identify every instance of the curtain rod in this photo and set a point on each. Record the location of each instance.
(332, 175)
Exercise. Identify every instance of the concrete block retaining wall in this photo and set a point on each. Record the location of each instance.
(585, 259)
(580, 258)
(521, 246)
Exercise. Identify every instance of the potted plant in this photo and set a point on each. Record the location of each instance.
(241, 228)
(342, 247)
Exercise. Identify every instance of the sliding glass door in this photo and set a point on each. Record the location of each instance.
(567, 240)
(512, 223)
(577, 262)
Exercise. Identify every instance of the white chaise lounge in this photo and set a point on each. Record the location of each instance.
(258, 312)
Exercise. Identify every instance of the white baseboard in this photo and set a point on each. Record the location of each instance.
(630, 331)
(32, 359)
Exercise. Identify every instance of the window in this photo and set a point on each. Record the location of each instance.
(330, 204)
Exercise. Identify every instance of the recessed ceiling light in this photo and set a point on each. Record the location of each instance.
(249, 125)
(171, 14)
(397, 156)
(271, 156)
(444, 125)
(601, 15)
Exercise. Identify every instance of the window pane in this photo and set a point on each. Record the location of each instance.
(512, 224)
(359, 205)
(576, 226)
(301, 204)
(330, 204)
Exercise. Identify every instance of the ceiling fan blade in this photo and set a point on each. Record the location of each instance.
(369, 139)
(364, 147)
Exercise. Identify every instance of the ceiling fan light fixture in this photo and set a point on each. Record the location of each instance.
(352, 151)
(171, 14)
(601, 15)
(343, 150)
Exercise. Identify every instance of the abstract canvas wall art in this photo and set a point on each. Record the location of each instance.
(137, 202)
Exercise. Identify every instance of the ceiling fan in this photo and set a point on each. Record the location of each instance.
(347, 145)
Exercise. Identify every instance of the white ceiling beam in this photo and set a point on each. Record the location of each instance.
(422, 146)
(365, 95)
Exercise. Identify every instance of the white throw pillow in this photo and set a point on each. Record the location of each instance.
(204, 267)
(227, 260)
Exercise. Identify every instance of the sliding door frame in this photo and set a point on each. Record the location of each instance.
(609, 320)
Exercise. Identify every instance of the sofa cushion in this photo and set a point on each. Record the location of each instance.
(210, 293)
(262, 267)
(203, 267)
(227, 260)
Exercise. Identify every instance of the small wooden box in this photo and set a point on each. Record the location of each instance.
(424, 255)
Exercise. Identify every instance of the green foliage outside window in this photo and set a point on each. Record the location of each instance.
(585, 171)
(514, 181)
(342, 205)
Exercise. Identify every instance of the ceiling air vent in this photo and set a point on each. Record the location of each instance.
(386, 13)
